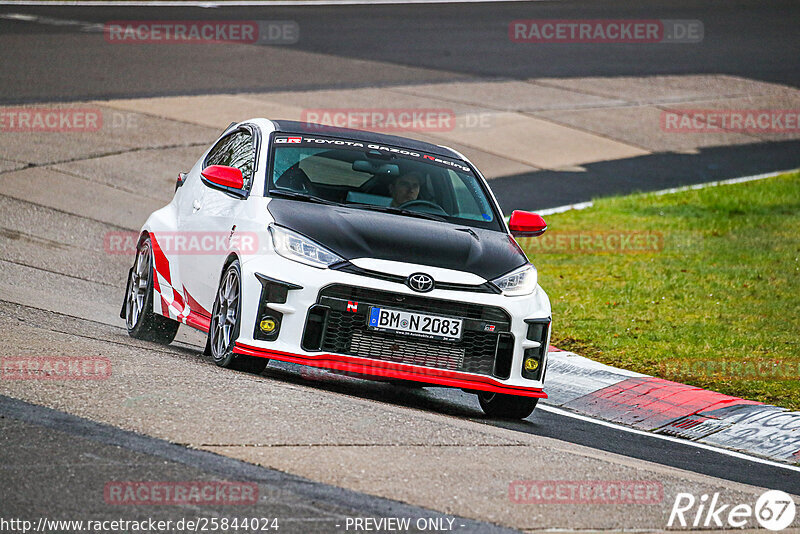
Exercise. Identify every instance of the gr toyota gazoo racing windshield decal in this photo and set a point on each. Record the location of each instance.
(305, 140)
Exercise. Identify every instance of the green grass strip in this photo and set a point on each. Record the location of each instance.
(701, 287)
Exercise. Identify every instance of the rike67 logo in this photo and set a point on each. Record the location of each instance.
(774, 510)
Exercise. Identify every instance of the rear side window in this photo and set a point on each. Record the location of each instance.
(235, 150)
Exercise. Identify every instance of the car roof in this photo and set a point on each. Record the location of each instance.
(308, 128)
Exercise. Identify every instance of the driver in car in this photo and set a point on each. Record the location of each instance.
(405, 188)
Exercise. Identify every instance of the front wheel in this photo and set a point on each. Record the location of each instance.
(142, 322)
(225, 320)
(506, 406)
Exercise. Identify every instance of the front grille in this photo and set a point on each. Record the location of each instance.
(346, 332)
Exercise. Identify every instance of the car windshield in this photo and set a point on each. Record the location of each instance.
(364, 175)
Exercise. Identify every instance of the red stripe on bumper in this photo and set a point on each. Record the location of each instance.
(364, 366)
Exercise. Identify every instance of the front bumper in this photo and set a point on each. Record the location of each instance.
(321, 316)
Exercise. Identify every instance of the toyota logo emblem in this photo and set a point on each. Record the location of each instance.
(420, 282)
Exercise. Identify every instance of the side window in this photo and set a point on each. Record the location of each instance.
(236, 150)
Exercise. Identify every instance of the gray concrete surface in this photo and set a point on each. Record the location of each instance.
(559, 124)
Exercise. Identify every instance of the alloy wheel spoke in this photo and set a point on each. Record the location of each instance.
(219, 345)
(222, 289)
(144, 262)
(129, 311)
(224, 318)
(137, 289)
(228, 288)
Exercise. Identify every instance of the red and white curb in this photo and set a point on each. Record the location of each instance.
(583, 386)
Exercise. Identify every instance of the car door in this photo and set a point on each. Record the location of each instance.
(210, 222)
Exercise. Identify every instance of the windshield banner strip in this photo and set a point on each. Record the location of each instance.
(308, 141)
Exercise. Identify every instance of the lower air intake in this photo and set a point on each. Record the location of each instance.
(379, 347)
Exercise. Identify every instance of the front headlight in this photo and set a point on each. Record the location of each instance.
(296, 247)
(519, 282)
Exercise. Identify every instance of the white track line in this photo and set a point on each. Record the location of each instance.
(49, 21)
(569, 207)
(734, 454)
(179, 3)
(722, 182)
(584, 205)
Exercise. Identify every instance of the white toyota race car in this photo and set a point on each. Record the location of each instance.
(351, 251)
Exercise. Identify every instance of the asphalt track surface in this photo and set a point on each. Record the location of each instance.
(41, 449)
(442, 41)
(56, 464)
(97, 453)
(418, 44)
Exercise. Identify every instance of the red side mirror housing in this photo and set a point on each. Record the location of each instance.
(228, 177)
(526, 224)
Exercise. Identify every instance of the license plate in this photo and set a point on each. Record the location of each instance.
(414, 324)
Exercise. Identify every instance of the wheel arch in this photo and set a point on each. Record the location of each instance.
(144, 234)
(150, 323)
(233, 256)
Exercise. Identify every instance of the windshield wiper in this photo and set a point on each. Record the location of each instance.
(296, 195)
(398, 211)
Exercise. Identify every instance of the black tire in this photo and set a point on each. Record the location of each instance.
(138, 313)
(225, 321)
(506, 406)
